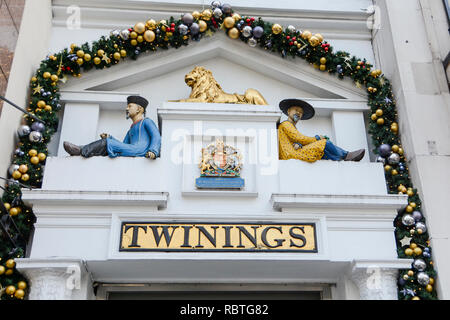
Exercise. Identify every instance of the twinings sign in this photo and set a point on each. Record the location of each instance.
(221, 237)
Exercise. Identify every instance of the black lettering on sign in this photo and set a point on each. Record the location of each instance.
(165, 233)
(207, 234)
(248, 235)
(135, 235)
(297, 236)
(278, 241)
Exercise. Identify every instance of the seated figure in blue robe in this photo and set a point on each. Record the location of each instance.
(142, 140)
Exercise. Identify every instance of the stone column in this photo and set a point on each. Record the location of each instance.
(376, 283)
(56, 279)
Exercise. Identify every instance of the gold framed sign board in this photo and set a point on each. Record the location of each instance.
(218, 237)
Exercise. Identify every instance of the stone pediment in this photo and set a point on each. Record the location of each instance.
(235, 65)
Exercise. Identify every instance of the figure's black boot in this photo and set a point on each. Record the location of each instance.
(355, 155)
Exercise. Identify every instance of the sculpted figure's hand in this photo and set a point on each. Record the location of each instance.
(150, 155)
(104, 135)
(297, 146)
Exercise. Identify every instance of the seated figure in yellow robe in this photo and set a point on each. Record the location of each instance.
(294, 145)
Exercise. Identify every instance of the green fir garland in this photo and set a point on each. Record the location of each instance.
(174, 33)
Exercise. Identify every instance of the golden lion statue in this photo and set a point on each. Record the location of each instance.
(206, 89)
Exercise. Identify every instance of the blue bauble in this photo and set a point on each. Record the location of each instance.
(384, 150)
(401, 281)
(195, 29)
(258, 32)
(426, 255)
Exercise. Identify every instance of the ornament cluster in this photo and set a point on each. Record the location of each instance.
(149, 36)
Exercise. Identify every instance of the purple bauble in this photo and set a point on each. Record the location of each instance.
(258, 32)
(226, 8)
(38, 126)
(195, 29)
(187, 19)
(417, 215)
(384, 150)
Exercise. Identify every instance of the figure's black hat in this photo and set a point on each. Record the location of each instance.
(138, 100)
(308, 110)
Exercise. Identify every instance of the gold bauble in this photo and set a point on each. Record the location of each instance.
(314, 41)
(87, 57)
(319, 36)
(23, 168)
(394, 172)
(429, 288)
(13, 212)
(169, 34)
(123, 53)
(80, 61)
(196, 15)
(9, 272)
(380, 121)
(151, 24)
(133, 35)
(277, 29)
(395, 148)
(379, 112)
(228, 22)
(19, 294)
(306, 34)
(42, 156)
(54, 77)
(323, 67)
(139, 27)
(409, 252)
(97, 60)
(47, 75)
(2, 270)
(134, 42)
(32, 153)
(387, 168)
(409, 209)
(415, 298)
(100, 53)
(405, 277)
(417, 251)
(149, 36)
(117, 55)
(233, 33)
(410, 193)
(48, 108)
(400, 151)
(410, 273)
(41, 104)
(140, 39)
(16, 175)
(202, 25)
(7, 206)
(413, 204)
(34, 160)
(10, 263)
(25, 177)
(80, 53)
(10, 290)
(316, 66)
(22, 285)
(236, 17)
(207, 14)
(33, 79)
(431, 281)
(323, 60)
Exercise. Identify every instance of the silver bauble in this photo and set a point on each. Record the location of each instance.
(419, 265)
(408, 220)
(423, 278)
(421, 226)
(12, 168)
(258, 32)
(115, 33)
(35, 136)
(23, 131)
(217, 13)
(215, 4)
(226, 8)
(187, 19)
(247, 31)
(195, 29)
(183, 29)
(381, 159)
(252, 42)
(125, 34)
(291, 29)
(417, 215)
(394, 159)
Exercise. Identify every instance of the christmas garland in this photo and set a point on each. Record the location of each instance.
(29, 158)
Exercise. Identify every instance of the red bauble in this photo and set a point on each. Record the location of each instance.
(291, 43)
(69, 69)
(288, 37)
(294, 38)
(252, 19)
(172, 24)
(247, 20)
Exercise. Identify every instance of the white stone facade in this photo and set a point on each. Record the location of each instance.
(83, 202)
